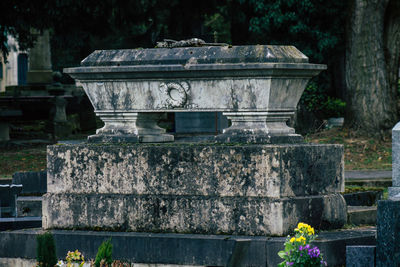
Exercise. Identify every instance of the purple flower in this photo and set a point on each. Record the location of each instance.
(301, 247)
(289, 263)
(314, 252)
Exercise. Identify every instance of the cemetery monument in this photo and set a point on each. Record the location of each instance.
(256, 178)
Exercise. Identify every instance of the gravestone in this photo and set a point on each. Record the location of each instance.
(40, 71)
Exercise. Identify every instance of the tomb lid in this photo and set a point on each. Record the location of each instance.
(196, 55)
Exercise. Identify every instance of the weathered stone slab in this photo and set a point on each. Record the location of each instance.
(198, 188)
(191, 214)
(196, 169)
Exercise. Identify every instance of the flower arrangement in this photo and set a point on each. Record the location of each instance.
(74, 258)
(298, 252)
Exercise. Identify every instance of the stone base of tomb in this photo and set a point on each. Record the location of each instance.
(194, 188)
(184, 250)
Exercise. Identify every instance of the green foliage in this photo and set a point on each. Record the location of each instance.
(104, 253)
(219, 25)
(46, 250)
(313, 26)
(317, 101)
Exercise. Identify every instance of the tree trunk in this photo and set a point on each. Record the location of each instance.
(371, 103)
(392, 45)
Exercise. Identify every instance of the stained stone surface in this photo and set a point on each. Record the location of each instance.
(360, 256)
(197, 188)
(388, 233)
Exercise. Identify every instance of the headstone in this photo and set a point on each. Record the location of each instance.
(394, 190)
(360, 256)
(40, 71)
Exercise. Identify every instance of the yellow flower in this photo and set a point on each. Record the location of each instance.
(304, 228)
(301, 239)
(292, 240)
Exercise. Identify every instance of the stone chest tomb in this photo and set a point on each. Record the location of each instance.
(257, 178)
(256, 87)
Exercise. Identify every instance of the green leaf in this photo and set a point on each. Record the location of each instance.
(282, 254)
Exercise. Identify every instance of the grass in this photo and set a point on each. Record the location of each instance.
(357, 188)
(22, 159)
(360, 152)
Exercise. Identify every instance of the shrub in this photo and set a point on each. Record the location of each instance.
(46, 250)
(317, 101)
(104, 253)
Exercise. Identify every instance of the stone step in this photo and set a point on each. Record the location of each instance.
(360, 215)
(20, 223)
(366, 198)
(5, 180)
(29, 206)
(369, 178)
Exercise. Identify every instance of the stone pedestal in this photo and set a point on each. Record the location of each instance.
(194, 188)
(388, 233)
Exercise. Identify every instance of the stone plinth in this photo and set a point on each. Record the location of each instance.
(388, 233)
(196, 188)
